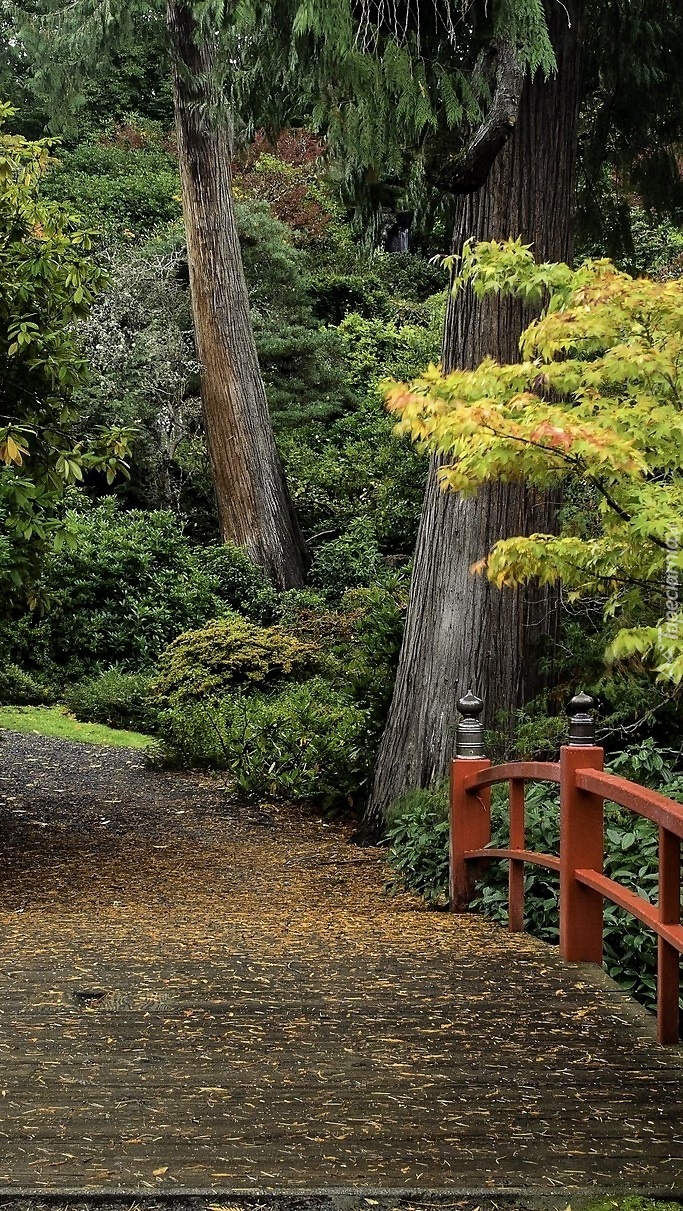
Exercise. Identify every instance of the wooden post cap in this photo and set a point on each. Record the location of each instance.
(581, 721)
(469, 737)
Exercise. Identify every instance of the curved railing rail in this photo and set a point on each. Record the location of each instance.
(583, 885)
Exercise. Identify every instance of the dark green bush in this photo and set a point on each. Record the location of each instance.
(237, 582)
(306, 742)
(302, 359)
(115, 698)
(129, 585)
(123, 191)
(18, 688)
(376, 348)
(354, 470)
(418, 845)
(228, 652)
(375, 288)
(347, 562)
(354, 649)
(359, 641)
(375, 617)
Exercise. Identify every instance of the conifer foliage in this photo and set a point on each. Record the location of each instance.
(254, 508)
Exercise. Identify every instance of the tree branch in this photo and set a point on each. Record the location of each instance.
(464, 169)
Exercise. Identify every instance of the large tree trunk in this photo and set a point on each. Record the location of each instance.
(461, 633)
(254, 507)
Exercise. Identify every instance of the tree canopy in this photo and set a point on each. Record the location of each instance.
(47, 282)
(597, 397)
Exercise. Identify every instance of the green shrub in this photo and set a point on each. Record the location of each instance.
(115, 698)
(302, 360)
(377, 349)
(632, 1202)
(229, 652)
(354, 470)
(357, 468)
(538, 734)
(418, 845)
(118, 189)
(128, 586)
(347, 562)
(375, 618)
(18, 688)
(359, 642)
(306, 742)
(237, 582)
(375, 289)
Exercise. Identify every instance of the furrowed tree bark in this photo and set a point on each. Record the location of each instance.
(462, 633)
(254, 507)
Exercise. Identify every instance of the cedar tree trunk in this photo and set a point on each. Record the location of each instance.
(461, 632)
(254, 508)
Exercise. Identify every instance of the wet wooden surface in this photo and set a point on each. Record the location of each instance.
(197, 995)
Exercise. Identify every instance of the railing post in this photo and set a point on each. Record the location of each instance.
(668, 958)
(581, 839)
(470, 812)
(517, 841)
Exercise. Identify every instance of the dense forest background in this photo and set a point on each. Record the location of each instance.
(141, 617)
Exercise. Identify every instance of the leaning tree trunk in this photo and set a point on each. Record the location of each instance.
(462, 633)
(254, 507)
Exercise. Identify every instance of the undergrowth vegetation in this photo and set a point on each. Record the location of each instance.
(116, 699)
(292, 711)
(309, 741)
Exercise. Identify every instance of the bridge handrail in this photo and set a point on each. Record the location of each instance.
(538, 771)
(583, 886)
(639, 799)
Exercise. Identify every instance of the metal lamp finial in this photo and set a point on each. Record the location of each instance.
(581, 721)
(469, 736)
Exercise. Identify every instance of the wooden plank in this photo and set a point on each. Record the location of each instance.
(538, 771)
(658, 808)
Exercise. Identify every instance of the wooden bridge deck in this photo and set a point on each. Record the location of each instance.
(195, 995)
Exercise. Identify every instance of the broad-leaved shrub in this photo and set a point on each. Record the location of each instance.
(115, 698)
(306, 742)
(347, 562)
(418, 845)
(237, 582)
(19, 688)
(129, 584)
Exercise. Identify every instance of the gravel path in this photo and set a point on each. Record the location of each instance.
(81, 821)
(201, 995)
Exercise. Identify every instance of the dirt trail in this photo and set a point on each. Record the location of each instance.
(197, 994)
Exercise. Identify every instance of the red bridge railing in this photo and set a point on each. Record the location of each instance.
(583, 886)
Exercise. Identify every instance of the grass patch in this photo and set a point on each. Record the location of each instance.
(632, 1203)
(56, 721)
